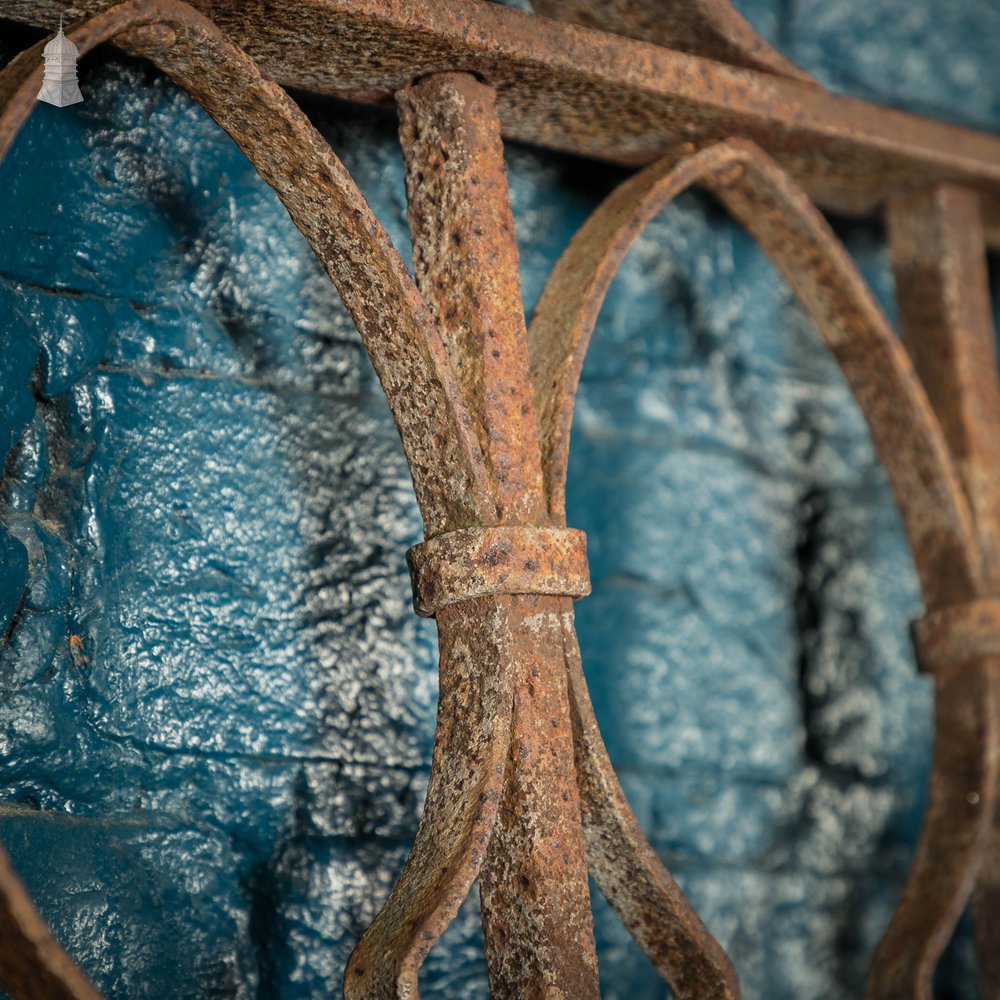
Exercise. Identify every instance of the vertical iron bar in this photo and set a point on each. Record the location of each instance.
(535, 896)
(939, 257)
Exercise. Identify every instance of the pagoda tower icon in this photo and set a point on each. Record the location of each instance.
(59, 85)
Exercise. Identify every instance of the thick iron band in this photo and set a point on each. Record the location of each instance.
(956, 635)
(501, 559)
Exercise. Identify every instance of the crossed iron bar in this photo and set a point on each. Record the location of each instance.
(522, 794)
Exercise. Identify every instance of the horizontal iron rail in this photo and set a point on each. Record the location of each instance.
(598, 95)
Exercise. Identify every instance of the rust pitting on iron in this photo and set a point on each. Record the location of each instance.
(465, 261)
(802, 245)
(503, 559)
(521, 790)
(598, 94)
(711, 28)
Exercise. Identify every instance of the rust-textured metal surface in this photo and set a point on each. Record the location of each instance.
(960, 647)
(533, 884)
(947, 325)
(951, 637)
(826, 281)
(710, 28)
(405, 348)
(465, 261)
(501, 751)
(521, 792)
(939, 258)
(535, 897)
(955, 833)
(571, 88)
(627, 870)
(479, 562)
(463, 795)
(986, 891)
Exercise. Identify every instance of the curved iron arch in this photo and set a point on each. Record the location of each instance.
(819, 270)
(438, 431)
(911, 445)
(326, 206)
(412, 364)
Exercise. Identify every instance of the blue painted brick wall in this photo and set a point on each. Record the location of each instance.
(216, 707)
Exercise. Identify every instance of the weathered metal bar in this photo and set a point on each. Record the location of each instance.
(986, 901)
(596, 94)
(946, 320)
(467, 775)
(941, 283)
(627, 870)
(466, 265)
(534, 888)
(960, 647)
(533, 884)
(710, 28)
(507, 559)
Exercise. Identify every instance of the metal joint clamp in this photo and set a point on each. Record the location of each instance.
(500, 559)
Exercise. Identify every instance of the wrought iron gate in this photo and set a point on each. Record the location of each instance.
(522, 795)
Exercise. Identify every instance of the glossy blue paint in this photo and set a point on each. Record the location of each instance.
(216, 706)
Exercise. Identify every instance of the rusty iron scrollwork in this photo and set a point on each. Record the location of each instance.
(522, 794)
